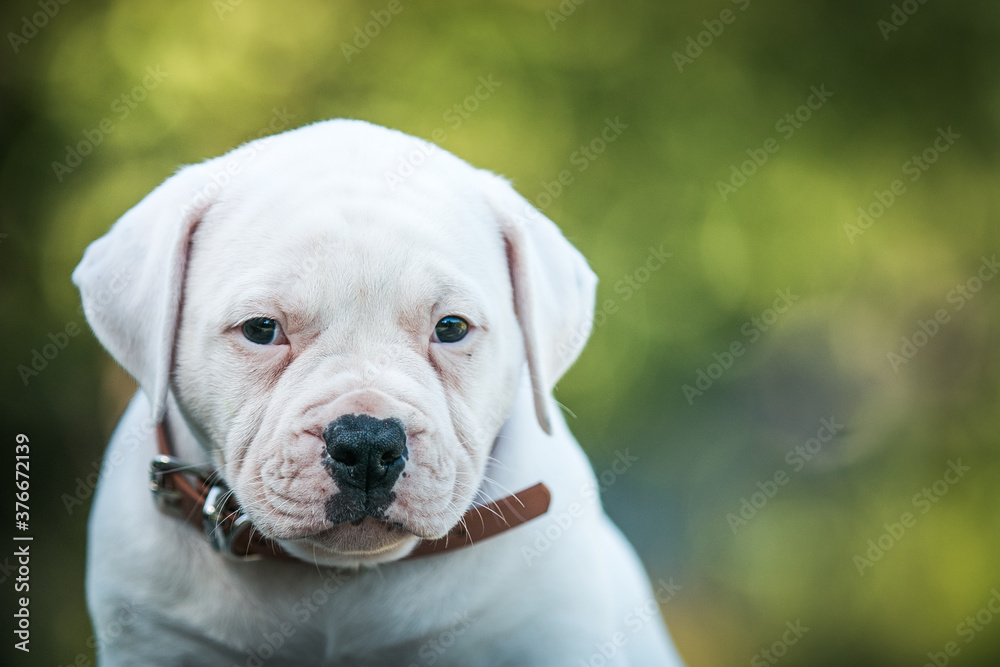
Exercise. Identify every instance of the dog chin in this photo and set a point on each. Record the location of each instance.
(367, 541)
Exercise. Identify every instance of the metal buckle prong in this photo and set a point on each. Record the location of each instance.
(161, 466)
(166, 499)
(222, 520)
(223, 526)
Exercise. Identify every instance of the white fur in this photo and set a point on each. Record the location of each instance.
(311, 228)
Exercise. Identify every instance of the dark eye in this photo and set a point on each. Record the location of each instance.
(451, 329)
(262, 330)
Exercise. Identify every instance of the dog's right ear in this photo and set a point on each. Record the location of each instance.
(554, 290)
(131, 279)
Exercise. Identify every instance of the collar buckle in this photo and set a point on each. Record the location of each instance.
(168, 498)
(224, 521)
(196, 494)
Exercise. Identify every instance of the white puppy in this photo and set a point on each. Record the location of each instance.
(361, 353)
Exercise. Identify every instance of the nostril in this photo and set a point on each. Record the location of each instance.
(365, 452)
(345, 457)
(394, 457)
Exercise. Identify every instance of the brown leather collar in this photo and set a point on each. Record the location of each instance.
(195, 494)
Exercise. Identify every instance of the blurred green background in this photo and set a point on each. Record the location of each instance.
(701, 93)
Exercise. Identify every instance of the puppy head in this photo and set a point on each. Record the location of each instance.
(345, 340)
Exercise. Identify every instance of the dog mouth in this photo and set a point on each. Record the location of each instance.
(365, 536)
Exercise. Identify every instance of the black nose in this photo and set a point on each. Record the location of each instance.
(366, 453)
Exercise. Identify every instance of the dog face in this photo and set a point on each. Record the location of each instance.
(368, 310)
(345, 344)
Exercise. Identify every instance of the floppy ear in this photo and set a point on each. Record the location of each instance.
(131, 279)
(554, 291)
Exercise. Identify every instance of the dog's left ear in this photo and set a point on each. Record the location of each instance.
(554, 290)
(131, 279)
